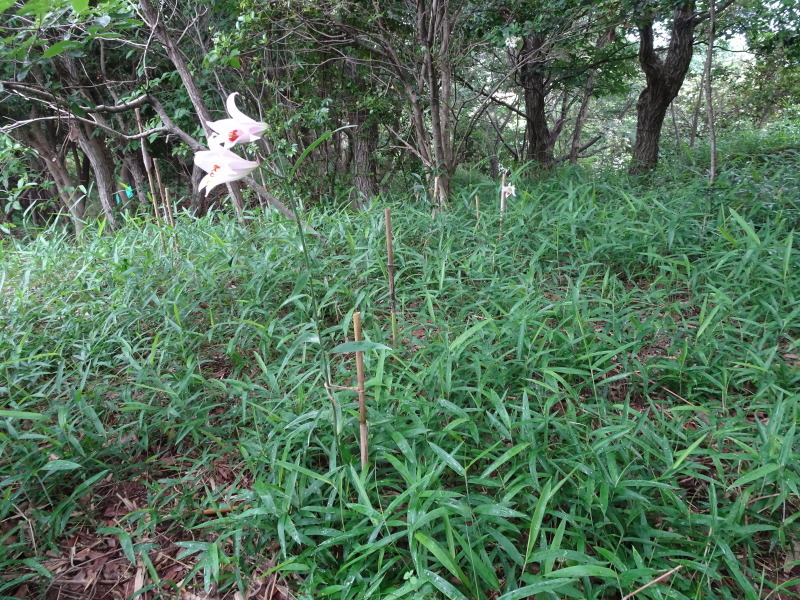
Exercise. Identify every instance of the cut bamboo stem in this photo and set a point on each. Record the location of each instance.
(477, 209)
(160, 185)
(171, 219)
(362, 402)
(147, 163)
(390, 267)
(502, 203)
(503, 197)
(168, 205)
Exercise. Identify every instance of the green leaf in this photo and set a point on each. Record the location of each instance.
(583, 571)
(683, 455)
(6, 4)
(303, 470)
(535, 588)
(21, 414)
(34, 357)
(760, 472)
(38, 8)
(61, 465)
(751, 233)
(536, 520)
(316, 143)
(80, 5)
(445, 587)
(468, 333)
(362, 346)
(449, 459)
(444, 558)
(507, 455)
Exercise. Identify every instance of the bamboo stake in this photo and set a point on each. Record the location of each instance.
(158, 181)
(362, 403)
(147, 162)
(502, 203)
(171, 219)
(390, 267)
(477, 209)
(168, 205)
(503, 197)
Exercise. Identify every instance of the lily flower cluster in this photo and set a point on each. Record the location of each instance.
(220, 164)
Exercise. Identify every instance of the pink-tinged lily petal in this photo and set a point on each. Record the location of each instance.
(239, 128)
(221, 166)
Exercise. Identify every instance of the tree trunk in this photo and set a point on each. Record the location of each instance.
(712, 134)
(100, 159)
(45, 144)
(155, 21)
(537, 132)
(365, 142)
(664, 80)
(133, 161)
(434, 29)
(583, 111)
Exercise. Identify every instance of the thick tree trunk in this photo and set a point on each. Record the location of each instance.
(652, 109)
(133, 161)
(103, 168)
(664, 80)
(538, 139)
(45, 144)
(365, 142)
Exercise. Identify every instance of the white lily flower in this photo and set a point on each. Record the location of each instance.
(509, 190)
(221, 166)
(239, 128)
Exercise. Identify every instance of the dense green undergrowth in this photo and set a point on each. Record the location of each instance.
(597, 389)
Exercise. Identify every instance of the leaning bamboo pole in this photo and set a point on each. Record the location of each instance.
(362, 402)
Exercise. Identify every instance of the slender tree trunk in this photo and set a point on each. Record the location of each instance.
(664, 79)
(698, 103)
(675, 125)
(583, 111)
(154, 19)
(539, 148)
(712, 136)
(433, 27)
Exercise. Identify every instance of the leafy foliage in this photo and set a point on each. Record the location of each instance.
(604, 392)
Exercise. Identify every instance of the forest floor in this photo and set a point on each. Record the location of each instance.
(594, 393)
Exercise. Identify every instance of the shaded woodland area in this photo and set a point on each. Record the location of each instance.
(91, 92)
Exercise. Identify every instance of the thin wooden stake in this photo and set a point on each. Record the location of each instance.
(503, 197)
(147, 163)
(158, 181)
(502, 203)
(390, 267)
(171, 219)
(168, 204)
(477, 209)
(362, 402)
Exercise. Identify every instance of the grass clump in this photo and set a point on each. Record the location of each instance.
(606, 392)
